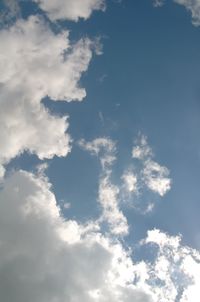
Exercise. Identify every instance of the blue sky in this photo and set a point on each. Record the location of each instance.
(100, 150)
(145, 81)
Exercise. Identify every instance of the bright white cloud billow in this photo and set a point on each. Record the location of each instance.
(70, 9)
(37, 63)
(45, 257)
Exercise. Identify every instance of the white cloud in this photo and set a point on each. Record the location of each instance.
(130, 181)
(193, 6)
(175, 267)
(109, 198)
(102, 147)
(10, 10)
(37, 63)
(142, 149)
(154, 176)
(158, 3)
(70, 9)
(47, 258)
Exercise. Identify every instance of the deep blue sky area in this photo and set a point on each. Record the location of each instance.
(147, 80)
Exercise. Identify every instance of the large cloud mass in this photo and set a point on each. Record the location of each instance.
(45, 257)
(37, 63)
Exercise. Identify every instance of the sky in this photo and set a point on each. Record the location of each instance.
(99, 150)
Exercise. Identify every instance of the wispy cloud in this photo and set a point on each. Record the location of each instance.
(154, 176)
(108, 197)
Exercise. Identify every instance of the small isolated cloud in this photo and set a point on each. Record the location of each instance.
(154, 176)
(70, 9)
(158, 3)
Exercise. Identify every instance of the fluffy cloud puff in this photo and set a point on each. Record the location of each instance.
(37, 63)
(47, 258)
(70, 9)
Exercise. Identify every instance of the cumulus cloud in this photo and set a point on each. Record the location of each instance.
(47, 258)
(70, 9)
(37, 63)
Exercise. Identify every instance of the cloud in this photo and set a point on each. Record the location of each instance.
(175, 267)
(154, 176)
(158, 3)
(130, 181)
(109, 197)
(37, 63)
(109, 200)
(70, 9)
(102, 147)
(47, 258)
(193, 6)
(10, 10)
(142, 150)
